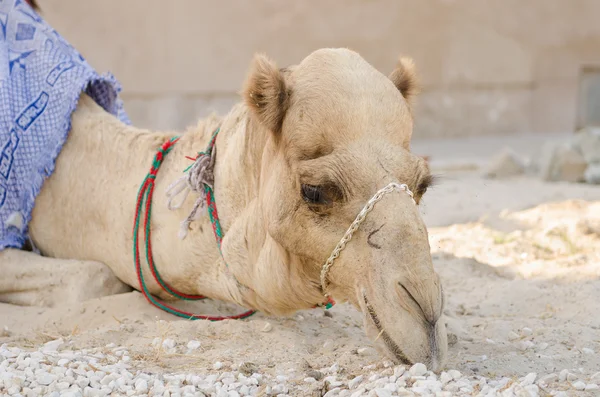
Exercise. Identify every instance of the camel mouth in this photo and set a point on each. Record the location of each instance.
(387, 340)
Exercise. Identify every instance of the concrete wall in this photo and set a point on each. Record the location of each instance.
(488, 67)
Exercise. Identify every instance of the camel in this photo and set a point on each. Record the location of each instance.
(295, 161)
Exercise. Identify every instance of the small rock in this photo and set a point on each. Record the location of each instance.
(525, 344)
(542, 346)
(399, 370)
(45, 378)
(333, 392)
(513, 336)
(52, 346)
(328, 345)
(592, 174)
(455, 374)
(141, 385)
(548, 378)
(380, 392)
(579, 385)
(586, 350)
(562, 376)
(527, 331)
(591, 387)
(505, 164)
(310, 379)
(168, 343)
(193, 345)
(571, 377)
(248, 368)
(445, 378)
(418, 369)
(529, 379)
(587, 141)
(452, 339)
(530, 391)
(355, 382)
(317, 375)
(267, 328)
(334, 369)
(217, 365)
(366, 351)
(562, 163)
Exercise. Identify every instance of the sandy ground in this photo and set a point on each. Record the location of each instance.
(520, 263)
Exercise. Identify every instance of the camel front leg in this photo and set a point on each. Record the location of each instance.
(29, 279)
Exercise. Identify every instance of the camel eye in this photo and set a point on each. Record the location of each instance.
(313, 194)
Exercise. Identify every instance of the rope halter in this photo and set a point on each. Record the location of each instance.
(360, 218)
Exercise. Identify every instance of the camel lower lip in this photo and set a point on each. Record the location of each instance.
(390, 344)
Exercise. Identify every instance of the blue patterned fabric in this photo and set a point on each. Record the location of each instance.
(41, 79)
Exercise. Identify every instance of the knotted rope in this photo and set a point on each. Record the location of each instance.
(195, 179)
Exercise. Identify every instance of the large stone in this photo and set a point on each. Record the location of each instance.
(505, 164)
(587, 141)
(592, 173)
(561, 162)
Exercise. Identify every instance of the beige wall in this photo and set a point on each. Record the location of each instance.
(488, 67)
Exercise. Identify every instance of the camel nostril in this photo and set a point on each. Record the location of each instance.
(407, 292)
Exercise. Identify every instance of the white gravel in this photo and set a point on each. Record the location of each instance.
(54, 370)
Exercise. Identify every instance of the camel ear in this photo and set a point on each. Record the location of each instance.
(266, 94)
(404, 78)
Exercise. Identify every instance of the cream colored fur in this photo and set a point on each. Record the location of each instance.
(332, 121)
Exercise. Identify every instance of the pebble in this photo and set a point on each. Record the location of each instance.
(528, 380)
(168, 343)
(141, 386)
(525, 344)
(542, 346)
(380, 392)
(592, 387)
(513, 336)
(328, 345)
(53, 345)
(526, 331)
(455, 374)
(579, 385)
(355, 382)
(445, 377)
(505, 164)
(563, 375)
(317, 375)
(587, 350)
(193, 345)
(418, 369)
(267, 328)
(366, 351)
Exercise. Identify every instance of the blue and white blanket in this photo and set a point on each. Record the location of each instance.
(41, 79)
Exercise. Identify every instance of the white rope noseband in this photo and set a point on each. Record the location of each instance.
(355, 225)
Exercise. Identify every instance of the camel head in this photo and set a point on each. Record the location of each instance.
(337, 132)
